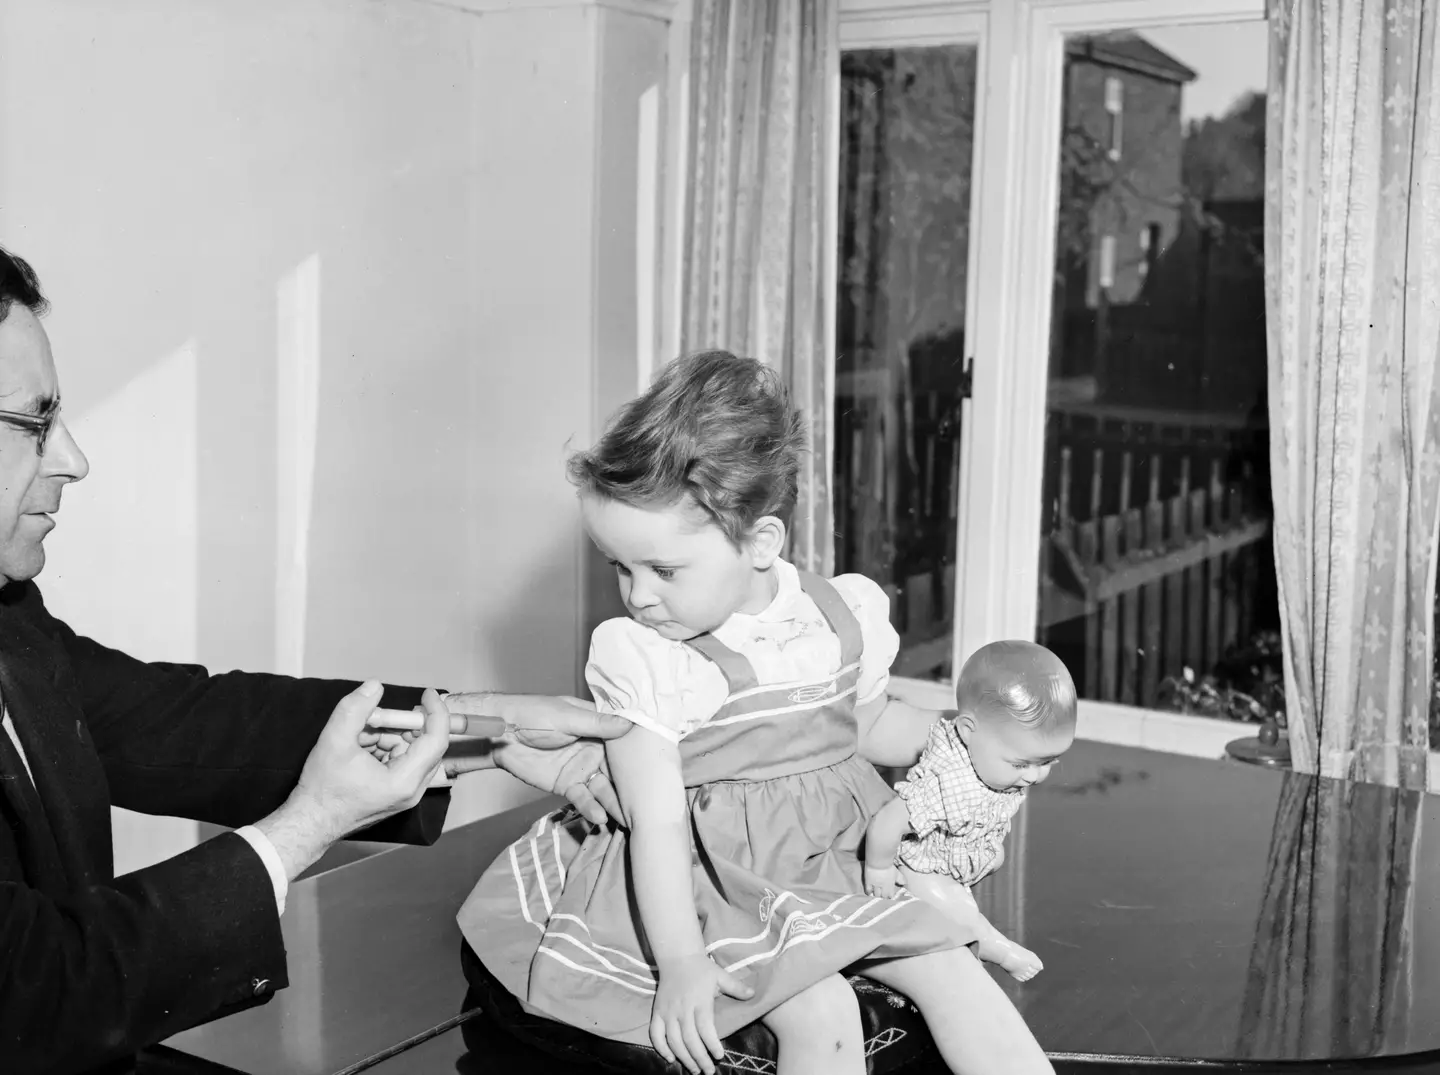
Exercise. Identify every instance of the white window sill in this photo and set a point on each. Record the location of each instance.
(1123, 725)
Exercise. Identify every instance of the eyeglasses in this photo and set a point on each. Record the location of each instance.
(38, 424)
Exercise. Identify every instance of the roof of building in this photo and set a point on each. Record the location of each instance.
(1127, 49)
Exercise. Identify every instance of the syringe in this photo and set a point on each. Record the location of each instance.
(401, 720)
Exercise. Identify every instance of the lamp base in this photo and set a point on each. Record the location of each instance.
(1255, 751)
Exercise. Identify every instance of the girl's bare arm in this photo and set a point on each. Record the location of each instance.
(893, 732)
(645, 768)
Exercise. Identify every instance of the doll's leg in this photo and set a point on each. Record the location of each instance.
(975, 1027)
(957, 901)
(818, 1031)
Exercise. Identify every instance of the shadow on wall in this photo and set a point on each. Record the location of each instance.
(155, 216)
(441, 544)
(121, 565)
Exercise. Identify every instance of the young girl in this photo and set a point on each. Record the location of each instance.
(1015, 717)
(758, 697)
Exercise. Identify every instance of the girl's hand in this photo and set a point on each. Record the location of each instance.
(881, 880)
(682, 1023)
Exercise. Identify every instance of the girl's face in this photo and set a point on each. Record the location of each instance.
(679, 574)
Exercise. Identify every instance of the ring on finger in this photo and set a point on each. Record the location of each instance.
(592, 776)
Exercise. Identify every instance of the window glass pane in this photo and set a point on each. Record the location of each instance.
(1157, 576)
(907, 135)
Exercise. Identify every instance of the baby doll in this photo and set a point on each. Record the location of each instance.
(946, 829)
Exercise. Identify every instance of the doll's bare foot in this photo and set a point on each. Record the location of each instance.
(1020, 963)
(957, 901)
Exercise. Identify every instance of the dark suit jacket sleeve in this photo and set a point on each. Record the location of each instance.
(123, 963)
(126, 964)
(222, 748)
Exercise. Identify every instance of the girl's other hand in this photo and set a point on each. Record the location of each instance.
(881, 880)
(682, 1023)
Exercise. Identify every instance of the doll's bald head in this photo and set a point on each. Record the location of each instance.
(1021, 681)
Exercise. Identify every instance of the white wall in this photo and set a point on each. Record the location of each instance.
(379, 220)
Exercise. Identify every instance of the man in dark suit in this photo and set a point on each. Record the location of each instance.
(93, 967)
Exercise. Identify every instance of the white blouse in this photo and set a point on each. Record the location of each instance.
(671, 688)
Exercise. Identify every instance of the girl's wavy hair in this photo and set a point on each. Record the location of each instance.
(1022, 678)
(714, 430)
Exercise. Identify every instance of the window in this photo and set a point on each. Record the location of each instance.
(1157, 582)
(949, 499)
(907, 132)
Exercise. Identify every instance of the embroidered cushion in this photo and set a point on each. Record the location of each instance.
(895, 1035)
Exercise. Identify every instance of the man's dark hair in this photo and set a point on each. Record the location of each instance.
(18, 283)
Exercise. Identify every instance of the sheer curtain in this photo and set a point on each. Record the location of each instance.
(1330, 970)
(756, 253)
(1352, 238)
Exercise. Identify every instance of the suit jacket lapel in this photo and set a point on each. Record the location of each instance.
(33, 834)
(62, 850)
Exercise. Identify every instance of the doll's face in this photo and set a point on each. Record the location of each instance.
(1007, 754)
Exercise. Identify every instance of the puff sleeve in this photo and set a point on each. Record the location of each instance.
(871, 606)
(647, 679)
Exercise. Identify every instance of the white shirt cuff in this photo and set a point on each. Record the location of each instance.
(273, 866)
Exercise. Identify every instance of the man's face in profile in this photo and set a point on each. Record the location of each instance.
(33, 470)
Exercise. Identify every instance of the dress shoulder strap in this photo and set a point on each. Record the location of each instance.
(738, 673)
(837, 614)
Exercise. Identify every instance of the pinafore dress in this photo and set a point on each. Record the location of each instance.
(779, 804)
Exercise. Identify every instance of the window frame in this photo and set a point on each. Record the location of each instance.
(1018, 122)
(999, 580)
(1015, 186)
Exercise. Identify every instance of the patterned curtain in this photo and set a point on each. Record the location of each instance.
(755, 251)
(1352, 239)
(1330, 971)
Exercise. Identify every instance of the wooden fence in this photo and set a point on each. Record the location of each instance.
(897, 488)
(1143, 572)
(1137, 595)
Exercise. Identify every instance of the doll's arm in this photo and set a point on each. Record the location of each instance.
(882, 843)
(892, 731)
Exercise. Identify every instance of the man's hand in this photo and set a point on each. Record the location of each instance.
(577, 772)
(554, 747)
(344, 786)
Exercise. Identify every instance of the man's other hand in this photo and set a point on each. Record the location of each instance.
(344, 786)
(554, 747)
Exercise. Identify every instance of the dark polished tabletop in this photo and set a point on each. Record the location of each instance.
(374, 959)
(1184, 908)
